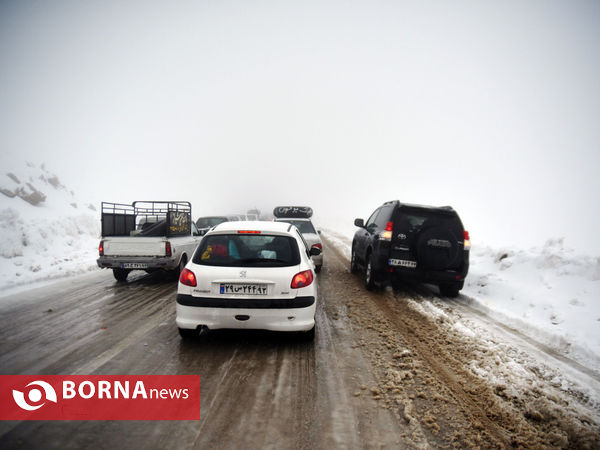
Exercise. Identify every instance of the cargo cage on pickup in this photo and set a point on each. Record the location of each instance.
(147, 218)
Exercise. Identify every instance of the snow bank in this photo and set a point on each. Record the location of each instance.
(550, 293)
(46, 231)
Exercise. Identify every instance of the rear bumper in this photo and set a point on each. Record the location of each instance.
(235, 303)
(274, 314)
(139, 262)
(429, 276)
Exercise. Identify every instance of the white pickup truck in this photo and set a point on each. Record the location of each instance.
(150, 236)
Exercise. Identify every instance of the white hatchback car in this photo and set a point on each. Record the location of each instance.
(249, 275)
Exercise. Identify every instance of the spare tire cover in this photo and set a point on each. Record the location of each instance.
(436, 248)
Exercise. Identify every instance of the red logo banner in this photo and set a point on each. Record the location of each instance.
(99, 397)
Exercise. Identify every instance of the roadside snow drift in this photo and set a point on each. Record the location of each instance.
(550, 293)
(46, 231)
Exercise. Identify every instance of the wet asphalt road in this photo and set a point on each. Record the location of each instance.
(258, 389)
(378, 375)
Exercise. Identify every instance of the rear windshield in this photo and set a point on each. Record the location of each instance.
(209, 222)
(247, 250)
(413, 221)
(304, 226)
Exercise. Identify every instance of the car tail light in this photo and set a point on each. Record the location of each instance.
(101, 248)
(467, 239)
(302, 279)
(168, 251)
(319, 246)
(188, 278)
(386, 235)
(248, 232)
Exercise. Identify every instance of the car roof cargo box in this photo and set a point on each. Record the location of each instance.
(293, 212)
(147, 218)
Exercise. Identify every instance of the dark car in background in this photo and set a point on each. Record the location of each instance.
(404, 242)
(206, 223)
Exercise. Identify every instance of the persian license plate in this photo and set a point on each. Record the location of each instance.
(242, 289)
(403, 263)
(134, 266)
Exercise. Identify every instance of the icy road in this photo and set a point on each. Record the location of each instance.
(403, 369)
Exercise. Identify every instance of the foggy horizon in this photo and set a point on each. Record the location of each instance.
(489, 107)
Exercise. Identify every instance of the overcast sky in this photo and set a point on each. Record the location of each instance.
(492, 107)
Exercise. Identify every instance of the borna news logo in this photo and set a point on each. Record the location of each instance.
(35, 396)
(100, 397)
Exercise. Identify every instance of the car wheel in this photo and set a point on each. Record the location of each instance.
(449, 290)
(120, 274)
(182, 263)
(187, 333)
(369, 274)
(308, 336)
(318, 269)
(353, 262)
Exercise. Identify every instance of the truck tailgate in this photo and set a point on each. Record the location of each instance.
(134, 246)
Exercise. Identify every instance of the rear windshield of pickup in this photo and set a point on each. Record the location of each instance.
(250, 250)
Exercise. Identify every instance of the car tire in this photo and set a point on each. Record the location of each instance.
(187, 333)
(180, 267)
(353, 262)
(449, 290)
(318, 269)
(120, 274)
(369, 274)
(308, 336)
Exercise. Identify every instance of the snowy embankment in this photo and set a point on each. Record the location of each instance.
(550, 294)
(46, 232)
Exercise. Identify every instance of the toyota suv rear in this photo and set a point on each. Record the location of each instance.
(404, 242)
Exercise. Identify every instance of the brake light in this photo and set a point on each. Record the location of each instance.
(319, 246)
(302, 279)
(101, 248)
(168, 251)
(386, 235)
(188, 278)
(467, 239)
(248, 232)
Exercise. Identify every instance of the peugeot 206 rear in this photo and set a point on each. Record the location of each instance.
(249, 275)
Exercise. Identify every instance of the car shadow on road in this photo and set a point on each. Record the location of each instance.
(260, 338)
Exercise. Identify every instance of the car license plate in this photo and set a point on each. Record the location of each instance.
(242, 289)
(403, 263)
(134, 266)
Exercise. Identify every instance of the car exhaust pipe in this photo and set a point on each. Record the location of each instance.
(202, 330)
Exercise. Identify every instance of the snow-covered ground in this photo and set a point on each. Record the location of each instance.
(46, 231)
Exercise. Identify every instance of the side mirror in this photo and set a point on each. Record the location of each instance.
(319, 231)
(359, 223)
(315, 251)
